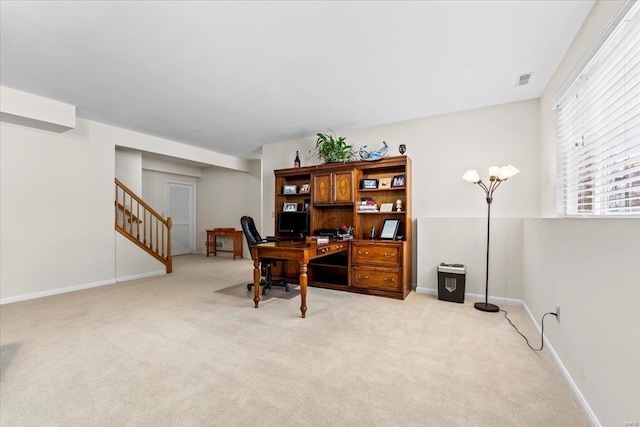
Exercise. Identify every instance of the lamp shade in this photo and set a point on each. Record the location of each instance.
(471, 176)
(494, 171)
(508, 171)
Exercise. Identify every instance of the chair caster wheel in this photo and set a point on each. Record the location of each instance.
(288, 289)
(249, 287)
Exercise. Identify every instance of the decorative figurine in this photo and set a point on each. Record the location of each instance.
(398, 205)
(374, 155)
(402, 148)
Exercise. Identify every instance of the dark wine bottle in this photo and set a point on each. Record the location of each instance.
(296, 162)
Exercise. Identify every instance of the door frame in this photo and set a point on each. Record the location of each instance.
(192, 231)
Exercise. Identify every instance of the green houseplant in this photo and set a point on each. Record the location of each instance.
(332, 149)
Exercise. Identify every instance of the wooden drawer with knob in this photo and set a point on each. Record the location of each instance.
(375, 253)
(387, 279)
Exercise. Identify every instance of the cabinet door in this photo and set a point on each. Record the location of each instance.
(343, 187)
(322, 188)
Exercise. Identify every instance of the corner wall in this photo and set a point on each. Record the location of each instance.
(223, 197)
(56, 205)
(590, 267)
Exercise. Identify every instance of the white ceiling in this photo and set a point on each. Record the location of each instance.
(232, 76)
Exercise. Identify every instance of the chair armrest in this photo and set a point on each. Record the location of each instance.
(271, 239)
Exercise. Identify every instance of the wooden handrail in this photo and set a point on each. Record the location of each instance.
(155, 238)
(142, 202)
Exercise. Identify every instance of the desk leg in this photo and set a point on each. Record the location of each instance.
(256, 281)
(303, 289)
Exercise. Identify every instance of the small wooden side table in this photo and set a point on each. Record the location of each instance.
(236, 235)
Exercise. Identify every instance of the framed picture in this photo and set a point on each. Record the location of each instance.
(290, 207)
(304, 188)
(385, 182)
(386, 207)
(368, 184)
(398, 181)
(389, 229)
(289, 189)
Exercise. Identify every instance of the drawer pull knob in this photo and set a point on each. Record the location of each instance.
(362, 277)
(388, 279)
(391, 255)
(363, 253)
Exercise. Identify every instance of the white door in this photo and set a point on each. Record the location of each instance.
(181, 209)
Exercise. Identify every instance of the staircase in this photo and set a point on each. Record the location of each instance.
(139, 223)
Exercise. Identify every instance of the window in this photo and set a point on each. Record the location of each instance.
(599, 126)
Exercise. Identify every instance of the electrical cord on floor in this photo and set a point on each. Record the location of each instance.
(525, 338)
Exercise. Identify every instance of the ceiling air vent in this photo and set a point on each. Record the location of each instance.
(523, 79)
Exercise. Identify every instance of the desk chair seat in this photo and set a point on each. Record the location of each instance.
(254, 238)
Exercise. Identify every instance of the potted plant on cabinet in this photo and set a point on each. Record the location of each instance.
(332, 149)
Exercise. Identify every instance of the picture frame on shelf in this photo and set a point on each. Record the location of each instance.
(289, 189)
(368, 184)
(305, 188)
(398, 181)
(390, 229)
(289, 207)
(385, 182)
(386, 207)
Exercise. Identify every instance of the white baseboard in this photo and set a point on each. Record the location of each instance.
(48, 293)
(51, 292)
(475, 297)
(140, 276)
(567, 377)
(593, 420)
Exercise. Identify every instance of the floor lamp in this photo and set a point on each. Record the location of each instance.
(497, 175)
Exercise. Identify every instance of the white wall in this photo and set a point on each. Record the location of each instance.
(464, 241)
(57, 210)
(591, 268)
(223, 197)
(57, 193)
(442, 148)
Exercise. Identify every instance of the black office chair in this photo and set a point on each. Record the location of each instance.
(253, 238)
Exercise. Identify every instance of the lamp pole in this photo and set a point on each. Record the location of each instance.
(496, 177)
(485, 306)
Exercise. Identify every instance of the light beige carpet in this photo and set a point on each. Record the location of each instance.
(190, 349)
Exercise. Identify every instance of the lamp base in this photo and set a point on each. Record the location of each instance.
(492, 308)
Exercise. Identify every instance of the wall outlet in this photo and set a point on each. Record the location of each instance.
(558, 312)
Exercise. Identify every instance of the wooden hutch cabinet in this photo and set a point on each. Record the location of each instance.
(333, 196)
(333, 188)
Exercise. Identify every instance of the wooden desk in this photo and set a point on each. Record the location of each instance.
(236, 235)
(302, 252)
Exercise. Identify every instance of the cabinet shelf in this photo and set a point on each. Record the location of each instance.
(381, 213)
(367, 190)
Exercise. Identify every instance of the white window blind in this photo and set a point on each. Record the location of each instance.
(599, 129)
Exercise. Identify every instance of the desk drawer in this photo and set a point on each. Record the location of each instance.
(376, 253)
(334, 247)
(387, 279)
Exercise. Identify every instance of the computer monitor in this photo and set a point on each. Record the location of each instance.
(293, 223)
